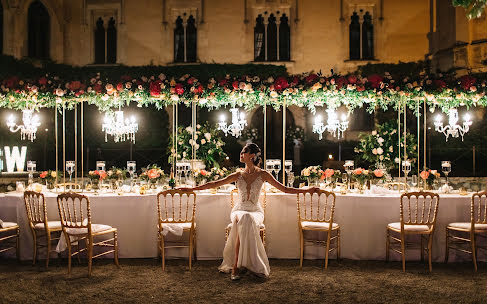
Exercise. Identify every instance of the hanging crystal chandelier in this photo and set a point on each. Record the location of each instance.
(114, 124)
(238, 123)
(334, 126)
(30, 124)
(453, 128)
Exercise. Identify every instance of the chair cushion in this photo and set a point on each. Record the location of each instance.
(50, 224)
(467, 226)
(418, 228)
(318, 225)
(8, 225)
(185, 225)
(94, 229)
(229, 226)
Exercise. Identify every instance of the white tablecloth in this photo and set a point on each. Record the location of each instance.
(363, 220)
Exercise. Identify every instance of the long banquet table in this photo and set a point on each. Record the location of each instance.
(362, 217)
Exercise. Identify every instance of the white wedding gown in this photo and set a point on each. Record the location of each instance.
(247, 216)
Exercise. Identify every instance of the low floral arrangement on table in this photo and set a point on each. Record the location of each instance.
(97, 175)
(381, 146)
(152, 173)
(200, 175)
(208, 145)
(361, 175)
(378, 174)
(310, 174)
(49, 177)
(429, 176)
(115, 174)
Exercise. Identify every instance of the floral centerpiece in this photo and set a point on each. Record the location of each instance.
(96, 177)
(361, 176)
(380, 146)
(200, 175)
(208, 145)
(49, 177)
(378, 175)
(330, 176)
(218, 173)
(152, 174)
(311, 174)
(429, 176)
(116, 174)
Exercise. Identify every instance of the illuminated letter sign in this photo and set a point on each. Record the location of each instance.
(15, 158)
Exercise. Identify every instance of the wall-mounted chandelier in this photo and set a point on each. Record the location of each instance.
(114, 124)
(453, 128)
(334, 126)
(238, 123)
(30, 124)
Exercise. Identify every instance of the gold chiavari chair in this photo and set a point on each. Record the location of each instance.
(417, 212)
(397, 186)
(264, 205)
(75, 214)
(176, 207)
(477, 227)
(315, 213)
(45, 233)
(8, 232)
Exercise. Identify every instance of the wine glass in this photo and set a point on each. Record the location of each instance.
(290, 178)
(70, 168)
(406, 168)
(269, 165)
(31, 168)
(277, 167)
(414, 180)
(131, 167)
(446, 169)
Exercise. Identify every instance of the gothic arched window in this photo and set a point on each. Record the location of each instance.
(111, 41)
(367, 37)
(38, 31)
(179, 40)
(354, 37)
(191, 40)
(284, 39)
(99, 42)
(1, 28)
(272, 39)
(259, 39)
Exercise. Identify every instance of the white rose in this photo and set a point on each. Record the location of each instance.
(196, 146)
(380, 140)
(374, 132)
(391, 149)
(191, 142)
(203, 141)
(381, 157)
(396, 160)
(184, 154)
(380, 151)
(207, 136)
(374, 151)
(189, 129)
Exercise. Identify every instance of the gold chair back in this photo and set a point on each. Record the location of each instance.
(478, 208)
(176, 206)
(74, 210)
(419, 208)
(396, 186)
(316, 207)
(35, 206)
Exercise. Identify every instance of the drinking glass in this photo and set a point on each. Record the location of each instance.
(349, 166)
(277, 167)
(290, 178)
(31, 168)
(131, 167)
(414, 180)
(70, 168)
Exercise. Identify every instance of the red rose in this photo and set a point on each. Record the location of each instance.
(199, 89)
(222, 82)
(440, 84)
(74, 85)
(155, 88)
(295, 81)
(97, 88)
(467, 81)
(352, 79)
(43, 80)
(119, 86)
(179, 89)
(341, 81)
(190, 80)
(360, 88)
(311, 78)
(235, 85)
(281, 84)
(375, 80)
(80, 92)
(43, 174)
(12, 81)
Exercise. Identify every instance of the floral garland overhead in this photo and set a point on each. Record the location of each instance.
(307, 90)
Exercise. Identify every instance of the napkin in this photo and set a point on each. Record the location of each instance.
(446, 189)
(63, 245)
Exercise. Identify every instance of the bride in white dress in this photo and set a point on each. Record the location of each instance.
(244, 249)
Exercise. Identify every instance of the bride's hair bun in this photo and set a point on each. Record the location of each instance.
(254, 149)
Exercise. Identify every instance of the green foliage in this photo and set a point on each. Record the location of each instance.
(381, 146)
(474, 8)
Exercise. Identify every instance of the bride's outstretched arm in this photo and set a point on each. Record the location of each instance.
(267, 177)
(227, 180)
